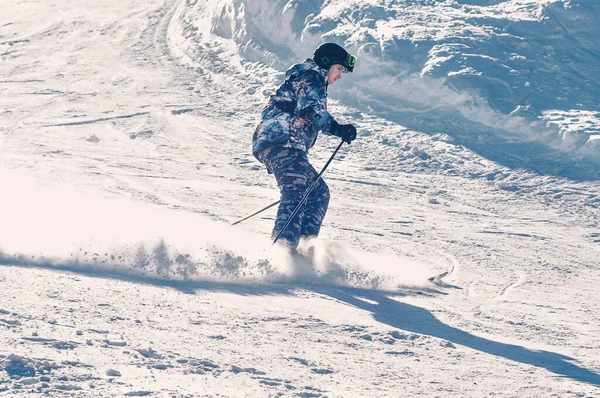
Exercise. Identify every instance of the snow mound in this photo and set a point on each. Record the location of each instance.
(485, 72)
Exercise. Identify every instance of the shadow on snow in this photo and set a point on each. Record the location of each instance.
(418, 320)
(386, 310)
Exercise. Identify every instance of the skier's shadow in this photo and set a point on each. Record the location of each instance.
(386, 310)
(418, 320)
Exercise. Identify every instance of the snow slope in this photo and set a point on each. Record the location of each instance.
(515, 81)
(125, 154)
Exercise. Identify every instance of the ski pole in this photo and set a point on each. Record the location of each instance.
(253, 214)
(308, 193)
(276, 203)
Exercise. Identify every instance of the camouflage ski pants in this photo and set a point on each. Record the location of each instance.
(294, 176)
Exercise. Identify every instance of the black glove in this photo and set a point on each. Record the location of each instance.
(347, 132)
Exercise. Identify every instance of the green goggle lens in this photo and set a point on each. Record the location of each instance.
(351, 60)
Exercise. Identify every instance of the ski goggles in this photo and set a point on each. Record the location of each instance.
(351, 61)
(348, 63)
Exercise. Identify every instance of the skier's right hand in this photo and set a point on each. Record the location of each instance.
(347, 132)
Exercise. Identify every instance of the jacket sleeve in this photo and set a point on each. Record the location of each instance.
(311, 103)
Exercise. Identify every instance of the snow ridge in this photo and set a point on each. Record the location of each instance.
(484, 72)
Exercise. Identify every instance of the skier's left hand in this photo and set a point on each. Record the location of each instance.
(347, 132)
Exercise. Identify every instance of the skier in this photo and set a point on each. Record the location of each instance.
(291, 121)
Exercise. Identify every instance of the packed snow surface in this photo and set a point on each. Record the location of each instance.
(125, 156)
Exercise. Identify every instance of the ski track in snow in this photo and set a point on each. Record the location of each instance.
(506, 291)
(125, 153)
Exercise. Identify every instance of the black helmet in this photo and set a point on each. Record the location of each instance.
(328, 54)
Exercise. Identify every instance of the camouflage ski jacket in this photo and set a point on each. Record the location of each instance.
(297, 111)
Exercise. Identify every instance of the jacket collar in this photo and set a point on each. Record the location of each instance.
(311, 64)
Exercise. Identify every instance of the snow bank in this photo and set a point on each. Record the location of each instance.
(468, 68)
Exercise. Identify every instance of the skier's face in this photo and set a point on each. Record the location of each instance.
(335, 73)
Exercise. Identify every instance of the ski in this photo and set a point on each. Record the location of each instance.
(438, 276)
